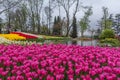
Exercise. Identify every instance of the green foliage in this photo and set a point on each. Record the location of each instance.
(110, 41)
(44, 29)
(107, 33)
(96, 37)
(50, 38)
(84, 23)
(107, 24)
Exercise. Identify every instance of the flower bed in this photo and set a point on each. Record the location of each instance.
(7, 42)
(4, 40)
(59, 62)
(26, 35)
(18, 36)
(13, 37)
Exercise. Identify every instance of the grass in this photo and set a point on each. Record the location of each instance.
(49, 37)
(42, 38)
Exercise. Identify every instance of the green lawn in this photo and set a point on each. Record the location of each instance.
(42, 38)
(45, 37)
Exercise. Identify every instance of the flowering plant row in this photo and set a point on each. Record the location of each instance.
(59, 62)
(12, 36)
(4, 40)
(7, 42)
(26, 35)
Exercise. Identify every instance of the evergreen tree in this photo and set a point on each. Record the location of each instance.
(74, 29)
(55, 21)
(57, 26)
(54, 26)
(1, 25)
(117, 23)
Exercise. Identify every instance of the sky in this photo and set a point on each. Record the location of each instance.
(112, 5)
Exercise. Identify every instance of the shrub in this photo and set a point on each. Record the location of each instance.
(110, 41)
(107, 33)
(96, 37)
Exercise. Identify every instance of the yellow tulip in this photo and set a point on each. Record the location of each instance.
(13, 36)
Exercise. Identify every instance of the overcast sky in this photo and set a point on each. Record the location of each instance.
(112, 5)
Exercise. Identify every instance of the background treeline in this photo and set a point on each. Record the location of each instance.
(51, 17)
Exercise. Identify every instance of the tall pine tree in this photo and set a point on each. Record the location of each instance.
(54, 26)
(57, 26)
(74, 28)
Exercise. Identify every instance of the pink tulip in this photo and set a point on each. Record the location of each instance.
(19, 78)
(4, 73)
(97, 79)
(53, 61)
(43, 72)
(50, 77)
(70, 77)
(8, 78)
(118, 64)
(118, 78)
(13, 78)
(29, 78)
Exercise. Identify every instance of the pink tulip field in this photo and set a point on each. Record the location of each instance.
(59, 62)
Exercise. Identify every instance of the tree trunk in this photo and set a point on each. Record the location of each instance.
(67, 34)
(39, 31)
(0, 30)
(82, 34)
(38, 26)
(68, 22)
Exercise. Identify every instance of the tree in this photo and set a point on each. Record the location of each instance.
(48, 16)
(59, 23)
(9, 7)
(38, 6)
(54, 26)
(117, 23)
(74, 30)
(67, 6)
(83, 26)
(44, 29)
(48, 11)
(92, 31)
(1, 24)
(107, 33)
(12, 4)
(31, 11)
(105, 15)
(57, 26)
(84, 23)
(106, 19)
(34, 11)
(20, 18)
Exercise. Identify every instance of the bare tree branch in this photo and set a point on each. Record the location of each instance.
(11, 5)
